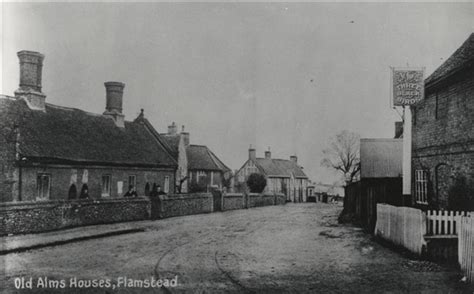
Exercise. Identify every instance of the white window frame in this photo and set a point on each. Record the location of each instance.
(421, 186)
(166, 185)
(106, 192)
(40, 192)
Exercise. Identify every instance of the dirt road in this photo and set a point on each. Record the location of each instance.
(296, 248)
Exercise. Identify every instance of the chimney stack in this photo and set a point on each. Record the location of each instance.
(114, 99)
(268, 154)
(31, 67)
(294, 158)
(252, 153)
(185, 136)
(398, 129)
(172, 129)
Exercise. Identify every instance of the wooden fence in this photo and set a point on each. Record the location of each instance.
(403, 226)
(466, 247)
(445, 222)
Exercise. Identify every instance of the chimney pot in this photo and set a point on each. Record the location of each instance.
(114, 96)
(252, 153)
(114, 100)
(31, 67)
(268, 154)
(294, 158)
(172, 129)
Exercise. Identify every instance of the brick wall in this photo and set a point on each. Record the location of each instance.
(232, 201)
(185, 204)
(63, 177)
(34, 217)
(443, 135)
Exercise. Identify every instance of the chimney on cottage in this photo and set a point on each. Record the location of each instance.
(31, 67)
(252, 153)
(172, 129)
(114, 99)
(398, 129)
(294, 158)
(185, 136)
(268, 154)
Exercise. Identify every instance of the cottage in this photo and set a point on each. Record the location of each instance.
(50, 152)
(283, 176)
(198, 167)
(443, 135)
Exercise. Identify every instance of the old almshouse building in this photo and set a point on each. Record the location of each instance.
(443, 135)
(52, 152)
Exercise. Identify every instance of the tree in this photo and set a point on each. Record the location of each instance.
(256, 183)
(343, 155)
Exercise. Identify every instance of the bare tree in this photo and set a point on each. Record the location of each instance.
(343, 155)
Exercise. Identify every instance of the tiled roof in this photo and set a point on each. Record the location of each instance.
(173, 143)
(462, 57)
(280, 167)
(201, 158)
(76, 136)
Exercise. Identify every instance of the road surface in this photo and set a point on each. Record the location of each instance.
(295, 248)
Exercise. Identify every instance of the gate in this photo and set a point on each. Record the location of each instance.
(217, 200)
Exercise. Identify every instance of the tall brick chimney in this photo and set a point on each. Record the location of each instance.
(185, 136)
(294, 158)
(268, 154)
(31, 67)
(114, 100)
(252, 153)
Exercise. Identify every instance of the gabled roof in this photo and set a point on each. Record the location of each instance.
(201, 158)
(61, 134)
(461, 58)
(280, 168)
(173, 143)
(381, 158)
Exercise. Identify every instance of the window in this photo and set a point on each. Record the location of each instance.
(166, 187)
(105, 185)
(199, 175)
(421, 186)
(43, 185)
(132, 180)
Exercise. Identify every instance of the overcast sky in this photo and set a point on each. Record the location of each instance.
(288, 76)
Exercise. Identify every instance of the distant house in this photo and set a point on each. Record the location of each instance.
(54, 152)
(329, 191)
(198, 166)
(283, 176)
(443, 135)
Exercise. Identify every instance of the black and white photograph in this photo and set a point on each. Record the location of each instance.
(236, 147)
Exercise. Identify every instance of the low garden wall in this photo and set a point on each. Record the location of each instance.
(34, 217)
(231, 201)
(184, 204)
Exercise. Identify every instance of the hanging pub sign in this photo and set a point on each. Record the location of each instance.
(408, 86)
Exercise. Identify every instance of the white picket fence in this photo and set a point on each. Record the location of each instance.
(404, 226)
(443, 222)
(466, 247)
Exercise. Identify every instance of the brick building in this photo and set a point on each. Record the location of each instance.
(443, 135)
(50, 152)
(283, 176)
(198, 167)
